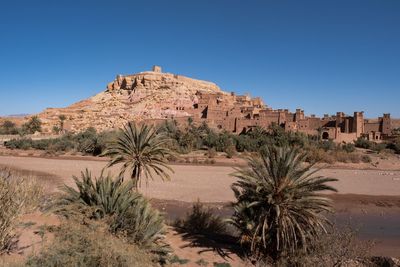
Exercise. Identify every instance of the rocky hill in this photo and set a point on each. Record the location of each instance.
(142, 96)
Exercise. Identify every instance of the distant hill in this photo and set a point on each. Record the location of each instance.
(17, 115)
(146, 95)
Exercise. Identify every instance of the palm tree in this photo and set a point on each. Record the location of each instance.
(142, 152)
(62, 118)
(279, 209)
(33, 125)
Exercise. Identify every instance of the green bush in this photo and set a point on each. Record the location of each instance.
(87, 142)
(378, 147)
(61, 144)
(128, 214)
(186, 139)
(395, 146)
(91, 142)
(349, 148)
(42, 144)
(23, 143)
(78, 245)
(327, 145)
(363, 143)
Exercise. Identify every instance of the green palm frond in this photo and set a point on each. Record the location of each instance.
(126, 211)
(279, 208)
(142, 151)
(106, 195)
(144, 226)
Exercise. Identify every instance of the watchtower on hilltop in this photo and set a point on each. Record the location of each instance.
(157, 69)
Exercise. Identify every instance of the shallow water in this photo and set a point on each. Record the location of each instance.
(372, 226)
(383, 228)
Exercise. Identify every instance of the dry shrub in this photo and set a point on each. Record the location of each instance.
(230, 151)
(330, 157)
(172, 158)
(319, 155)
(78, 245)
(355, 158)
(17, 196)
(346, 157)
(211, 153)
(339, 247)
(366, 159)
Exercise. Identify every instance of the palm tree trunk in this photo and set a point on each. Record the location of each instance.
(136, 177)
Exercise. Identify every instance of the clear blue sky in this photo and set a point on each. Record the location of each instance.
(323, 56)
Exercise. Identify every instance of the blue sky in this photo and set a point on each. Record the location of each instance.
(322, 56)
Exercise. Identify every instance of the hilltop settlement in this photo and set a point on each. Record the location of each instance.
(154, 96)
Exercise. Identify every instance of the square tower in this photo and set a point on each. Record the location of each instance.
(157, 69)
(358, 123)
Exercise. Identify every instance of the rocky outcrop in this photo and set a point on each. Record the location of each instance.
(142, 96)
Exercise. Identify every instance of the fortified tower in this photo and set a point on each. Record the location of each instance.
(358, 123)
(386, 124)
(339, 120)
(157, 69)
(299, 115)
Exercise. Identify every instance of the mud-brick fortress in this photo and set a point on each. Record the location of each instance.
(240, 114)
(154, 96)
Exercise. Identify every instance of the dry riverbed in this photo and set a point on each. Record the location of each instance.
(207, 183)
(367, 199)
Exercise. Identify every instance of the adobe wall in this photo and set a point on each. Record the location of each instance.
(310, 132)
(329, 133)
(346, 137)
(371, 127)
(395, 123)
(315, 123)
